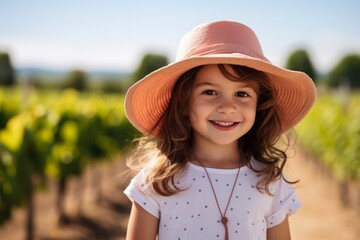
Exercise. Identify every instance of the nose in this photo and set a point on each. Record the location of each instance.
(226, 105)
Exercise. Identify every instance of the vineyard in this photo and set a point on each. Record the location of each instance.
(54, 135)
(331, 131)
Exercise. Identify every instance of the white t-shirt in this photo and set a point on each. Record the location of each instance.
(193, 213)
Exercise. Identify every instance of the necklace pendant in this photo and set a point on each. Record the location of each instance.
(224, 220)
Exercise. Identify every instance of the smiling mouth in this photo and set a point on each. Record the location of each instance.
(224, 124)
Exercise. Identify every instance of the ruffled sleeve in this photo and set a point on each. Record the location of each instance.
(285, 202)
(142, 197)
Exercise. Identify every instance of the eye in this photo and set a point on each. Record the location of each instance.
(242, 94)
(209, 92)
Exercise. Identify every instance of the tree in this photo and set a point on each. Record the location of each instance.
(77, 79)
(149, 63)
(300, 61)
(7, 76)
(347, 71)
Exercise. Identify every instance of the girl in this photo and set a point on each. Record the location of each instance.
(211, 166)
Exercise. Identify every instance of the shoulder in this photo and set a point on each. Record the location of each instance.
(142, 180)
(256, 165)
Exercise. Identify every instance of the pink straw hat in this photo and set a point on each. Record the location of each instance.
(220, 42)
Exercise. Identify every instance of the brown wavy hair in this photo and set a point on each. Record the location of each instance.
(166, 155)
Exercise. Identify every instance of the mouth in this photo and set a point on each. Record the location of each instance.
(224, 125)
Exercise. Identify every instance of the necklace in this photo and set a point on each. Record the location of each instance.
(224, 219)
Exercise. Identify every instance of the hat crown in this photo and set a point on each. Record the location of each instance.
(221, 37)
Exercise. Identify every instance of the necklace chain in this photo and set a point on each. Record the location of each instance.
(224, 219)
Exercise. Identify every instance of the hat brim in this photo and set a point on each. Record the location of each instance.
(146, 101)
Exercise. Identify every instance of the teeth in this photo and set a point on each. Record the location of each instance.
(225, 124)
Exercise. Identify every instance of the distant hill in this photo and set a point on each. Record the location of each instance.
(31, 71)
(57, 74)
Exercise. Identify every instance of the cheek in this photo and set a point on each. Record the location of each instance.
(249, 111)
(198, 114)
(193, 117)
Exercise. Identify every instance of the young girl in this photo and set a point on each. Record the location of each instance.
(212, 120)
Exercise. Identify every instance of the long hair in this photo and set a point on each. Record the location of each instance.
(165, 156)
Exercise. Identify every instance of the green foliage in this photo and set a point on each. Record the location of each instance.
(77, 79)
(332, 132)
(7, 75)
(23, 151)
(56, 134)
(346, 72)
(300, 61)
(10, 105)
(149, 63)
(112, 86)
(7, 178)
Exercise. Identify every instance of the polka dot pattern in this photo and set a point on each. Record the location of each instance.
(193, 214)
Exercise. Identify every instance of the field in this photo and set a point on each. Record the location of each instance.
(54, 135)
(62, 161)
(331, 131)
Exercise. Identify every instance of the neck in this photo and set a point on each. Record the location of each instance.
(226, 157)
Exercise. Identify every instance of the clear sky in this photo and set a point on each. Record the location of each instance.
(114, 34)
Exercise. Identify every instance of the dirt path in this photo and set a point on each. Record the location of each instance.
(323, 215)
(96, 208)
(105, 218)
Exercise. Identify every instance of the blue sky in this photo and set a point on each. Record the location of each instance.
(114, 34)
